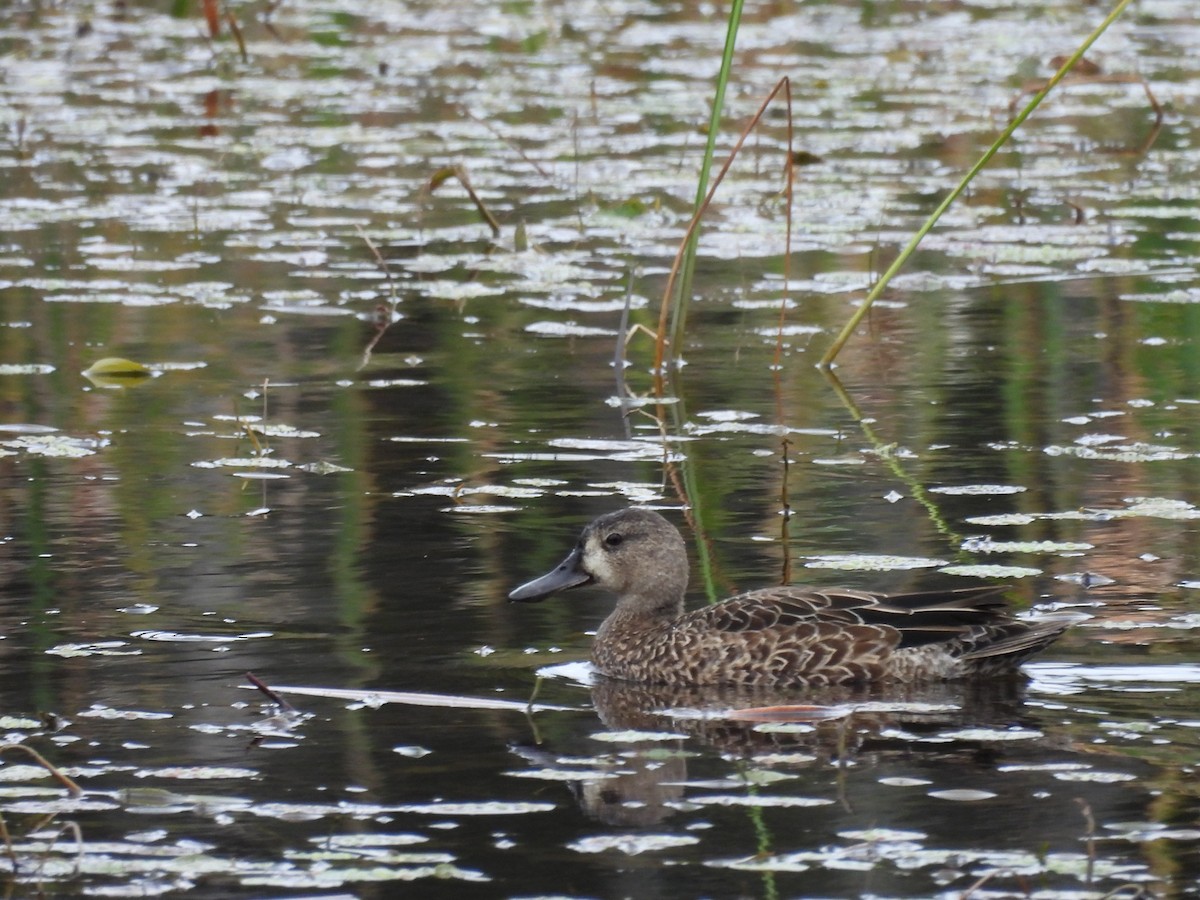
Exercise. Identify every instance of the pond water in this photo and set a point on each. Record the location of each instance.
(343, 461)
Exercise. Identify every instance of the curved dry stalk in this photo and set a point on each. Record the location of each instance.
(785, 85)
(441, 176)
(72, 788)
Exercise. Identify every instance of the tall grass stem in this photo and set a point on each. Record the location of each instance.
(683, 290)
(852, 324)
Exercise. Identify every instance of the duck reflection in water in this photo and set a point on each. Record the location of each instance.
(644, 778)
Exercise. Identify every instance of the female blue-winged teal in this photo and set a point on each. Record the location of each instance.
(782, 635)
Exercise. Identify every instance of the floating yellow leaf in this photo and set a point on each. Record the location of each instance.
(118, 366)
(115, 372)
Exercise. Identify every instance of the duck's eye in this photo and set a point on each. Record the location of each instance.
(614, 539)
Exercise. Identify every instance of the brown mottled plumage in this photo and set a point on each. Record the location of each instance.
(777, 636)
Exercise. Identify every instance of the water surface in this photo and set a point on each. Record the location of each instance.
(341, 466)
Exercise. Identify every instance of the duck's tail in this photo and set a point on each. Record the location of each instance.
(1004, 646)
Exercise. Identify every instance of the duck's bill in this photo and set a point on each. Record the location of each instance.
(567, 574)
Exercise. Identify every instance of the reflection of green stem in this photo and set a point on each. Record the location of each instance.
(885, 452)
(537, 686)
(684, 291)
(537, 735)
(703, 551)
(911, 247)
(762, 841)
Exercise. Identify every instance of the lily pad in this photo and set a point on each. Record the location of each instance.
(60, 446)
(978, 490)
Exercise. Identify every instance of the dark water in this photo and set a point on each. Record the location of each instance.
(332, 505)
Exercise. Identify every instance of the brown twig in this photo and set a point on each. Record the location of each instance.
(788, 193)
(268, 12)
(212, 15)
(385, 315)
(72, 788)
(382, 263)
(270, 694)
(441, 176)
(237, 35)
(500, 137)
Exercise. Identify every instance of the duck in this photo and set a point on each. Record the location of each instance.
(778, 636)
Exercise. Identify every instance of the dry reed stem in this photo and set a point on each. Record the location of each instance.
(441, 176)
(784, 84)
(72, 788)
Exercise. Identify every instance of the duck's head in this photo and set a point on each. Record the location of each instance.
(633, 553)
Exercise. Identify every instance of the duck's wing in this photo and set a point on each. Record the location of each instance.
(792, 635)
(1016, 639)
(915, 619)
(785, 636)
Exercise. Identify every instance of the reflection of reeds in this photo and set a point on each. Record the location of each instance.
(678, 290)
(883, 450)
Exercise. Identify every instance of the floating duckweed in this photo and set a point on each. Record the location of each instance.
(635, 737)
(631, 844)
(978, 490)
(985, 571)
(865, 562)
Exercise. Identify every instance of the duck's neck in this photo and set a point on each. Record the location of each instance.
(639, 613)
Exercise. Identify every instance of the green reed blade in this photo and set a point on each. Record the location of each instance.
(852, 324)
